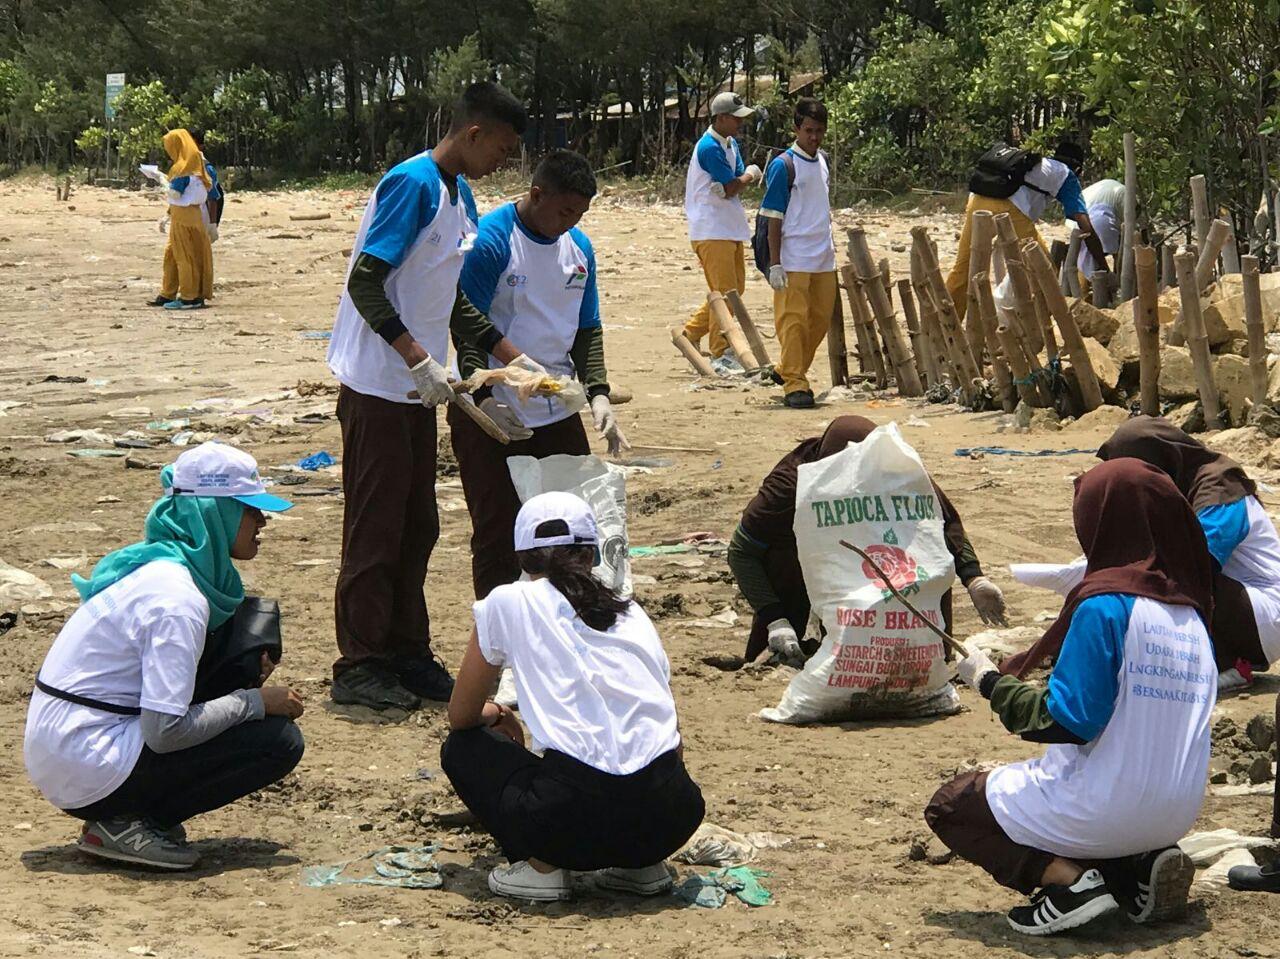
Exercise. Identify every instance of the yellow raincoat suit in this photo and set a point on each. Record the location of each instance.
(188, 257)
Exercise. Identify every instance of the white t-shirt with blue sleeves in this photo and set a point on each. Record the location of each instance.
(805, 210)
(412, 223)
(538, 292)
(1136, 679)
(1243, 541)
(715, 159)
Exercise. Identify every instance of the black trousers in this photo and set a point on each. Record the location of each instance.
(172, 787)
(566, 813)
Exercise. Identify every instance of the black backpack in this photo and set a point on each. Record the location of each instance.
(1001, 171)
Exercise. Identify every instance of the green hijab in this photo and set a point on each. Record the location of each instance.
(196, 531)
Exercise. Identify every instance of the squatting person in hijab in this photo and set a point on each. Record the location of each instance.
(151, 706)
(188, 256)
(603, 784)
(766, 563)
(1093, 824)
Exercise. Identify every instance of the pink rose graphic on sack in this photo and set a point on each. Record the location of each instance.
(896, 563)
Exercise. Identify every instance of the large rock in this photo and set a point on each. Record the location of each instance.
(1106, 369)
(1103, 418)
(1123, 345)
(1177, 376)
(1222, 306)
(1091, 321)
(1231, 374)
(1247, 445)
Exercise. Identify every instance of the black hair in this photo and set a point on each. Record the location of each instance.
(812, 109)
(1070, 153)
(563, 171)
(198, 135)
(488, 101)
(568, 568)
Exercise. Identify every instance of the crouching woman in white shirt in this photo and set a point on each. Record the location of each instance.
(609, 791)
(150, 706)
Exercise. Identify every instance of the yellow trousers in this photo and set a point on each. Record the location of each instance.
(802, 317)
(188, 256)
(958, 279)
(724, 265)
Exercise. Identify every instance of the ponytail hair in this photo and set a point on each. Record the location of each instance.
(568, 568)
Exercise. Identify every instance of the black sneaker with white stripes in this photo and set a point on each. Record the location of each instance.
(1058, 908)
(1163, 880)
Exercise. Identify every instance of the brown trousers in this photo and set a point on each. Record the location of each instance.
(491, 497)
(389, 527)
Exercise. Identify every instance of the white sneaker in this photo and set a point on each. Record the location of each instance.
(649, 881)
(521, 881)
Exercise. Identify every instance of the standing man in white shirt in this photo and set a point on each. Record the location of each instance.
(390, 352)
(717, 222)
(802, 251)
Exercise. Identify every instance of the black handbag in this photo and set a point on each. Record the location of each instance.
(232, 657)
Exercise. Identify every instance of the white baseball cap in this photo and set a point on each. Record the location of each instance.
(216, 469)
(730, 103)
(555, 519)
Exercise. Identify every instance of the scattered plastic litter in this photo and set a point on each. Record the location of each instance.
(711, 891)
(1214, 879)
(725, 619)
(19, 586)
(80, 436)
(7, 405)
(406, 867)
(168, 426)
(1206, 848)
(97, 453)
(659, 550)
(315, 334)
(713, 845)
(1003, 451)
(316, 461)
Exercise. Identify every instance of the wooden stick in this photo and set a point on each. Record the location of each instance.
(1021, 364)
(1257, 331)
(1042, 271)
(1032, 332)
(1168, 274)
(1128, 277)
(1200, 207)
(691, 353)
(1197, 340)
(982, 233)
(946, 637)
(722, 317)
(309, 216)
(1230, 254)
(1100, 290)
(921, 348)
(480, 418)
(1219, 232)
(950, 323)
(1146, 319)
(886, 275)
(981, 284)
(882, 308)
(734, 299)
(837, 345)
(1069, 277)
(869, 339)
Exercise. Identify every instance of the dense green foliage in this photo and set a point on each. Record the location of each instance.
(917, 87)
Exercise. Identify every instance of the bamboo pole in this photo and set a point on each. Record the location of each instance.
(1197, 340)
(929, 323)
(1168, 275)
(982, 234)
(837, 345)
(1101, 292)
(1257, 331)
(1032, 332)
(921, 348)
(952, 335)
(882, 309)
(981, 284)
(722, 317)
(1069, 277)
(1042, 271)
(886, 274)
(1219, 233)
(862, 321)
(691, 353)
(1200, 208)
(1045, 319)
(1128, 279)
(1230, 253)
(734, 299)
(1025, 365)
(1146, 319)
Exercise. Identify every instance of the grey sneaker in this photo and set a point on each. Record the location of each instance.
(126, 839)
(649, 881)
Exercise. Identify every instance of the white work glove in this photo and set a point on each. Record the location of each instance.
(212, 230)
(526, 362)
(431, 381)
(754, 172)
(988, 601)
(607, 424)
(784, 643)
(777, 277)
(973, 667)
(162, 224)
(506, 418)
(717, 189)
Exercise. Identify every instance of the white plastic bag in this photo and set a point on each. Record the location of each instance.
(877, 658)
(602, 485)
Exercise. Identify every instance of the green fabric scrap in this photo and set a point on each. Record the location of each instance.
(407, 867)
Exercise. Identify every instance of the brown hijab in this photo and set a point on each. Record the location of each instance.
(1204, 477)
(1141, 538)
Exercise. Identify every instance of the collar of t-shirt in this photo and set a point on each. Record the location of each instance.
(796, 149)
(723, 141)
(529, 231)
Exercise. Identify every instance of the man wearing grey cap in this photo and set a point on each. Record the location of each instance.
(717, 222)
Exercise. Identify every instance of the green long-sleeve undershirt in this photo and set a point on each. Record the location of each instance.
(1024, 709)
(587, 354)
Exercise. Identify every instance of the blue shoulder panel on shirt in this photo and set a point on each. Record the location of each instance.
(1086, 677)
(740, 167)
(712, 159)
(408, 198)
(1071, 196)
(1225, 527)
(777, 186)
(589, 312)
(179, 183)
(489, 257)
